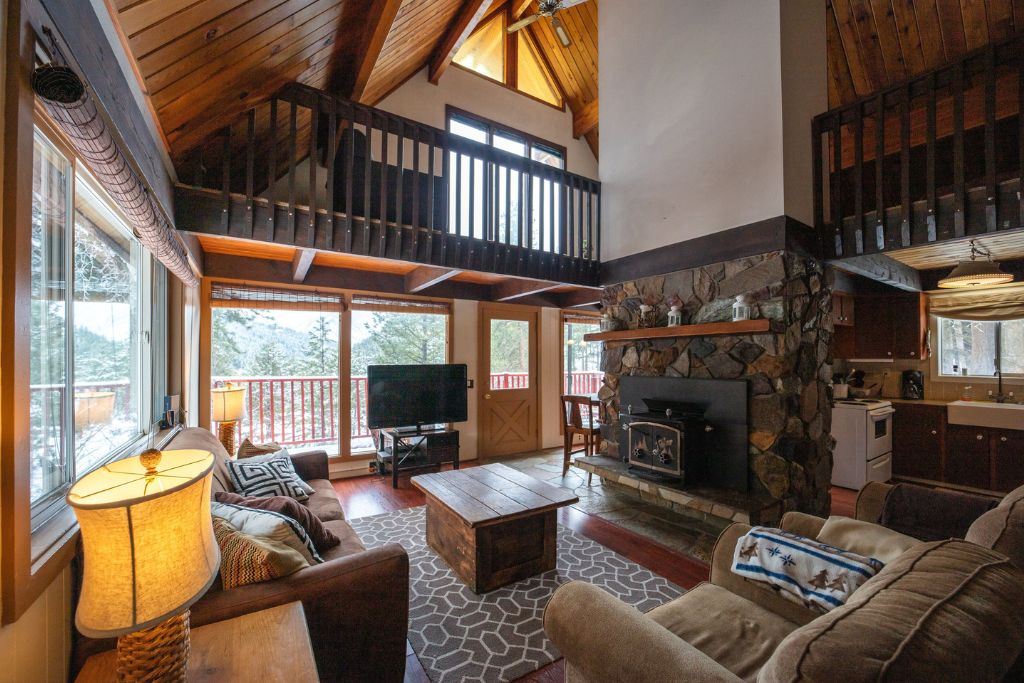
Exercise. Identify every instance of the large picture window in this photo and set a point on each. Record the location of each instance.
(90, 365)
(980, 348)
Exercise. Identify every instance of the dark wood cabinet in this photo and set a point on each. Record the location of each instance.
(917, 441)
(968, 456)
(886, 326)
(873, 335)
(910, 325)
(842, 309)
(1007, 459)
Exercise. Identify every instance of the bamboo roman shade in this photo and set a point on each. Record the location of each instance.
(1002, 302)
(365, 302)
(580, 319)
(244, 295)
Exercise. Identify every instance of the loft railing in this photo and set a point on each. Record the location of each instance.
(938, 157)
(390, 187)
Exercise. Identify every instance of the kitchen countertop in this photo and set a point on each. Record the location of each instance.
(919, 401)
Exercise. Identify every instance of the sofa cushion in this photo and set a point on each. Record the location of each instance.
(865, 538)
(324, 501)
(268, 475)
(348, 540)
(203, 440)
(1002, 529)
(249, 559)
(738, 634)
(946, 610)
(321, 537)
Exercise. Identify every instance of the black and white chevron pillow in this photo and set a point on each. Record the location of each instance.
(274, 476)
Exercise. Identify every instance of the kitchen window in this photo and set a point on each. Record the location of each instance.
(980, 348)
(91, 312)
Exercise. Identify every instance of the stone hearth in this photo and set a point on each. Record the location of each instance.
(787, 369)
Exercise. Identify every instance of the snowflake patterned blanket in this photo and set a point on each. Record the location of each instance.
(817, 575)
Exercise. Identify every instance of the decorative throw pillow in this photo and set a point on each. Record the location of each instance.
(321, 536)
(865, 538)
(248, 559)
(271, 525)
(248, 449)
(268, 475)
(802, 570)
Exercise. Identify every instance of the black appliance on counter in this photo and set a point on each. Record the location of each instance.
(912, 384)
(665, 440)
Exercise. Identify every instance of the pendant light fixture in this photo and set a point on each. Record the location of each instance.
(977, 272)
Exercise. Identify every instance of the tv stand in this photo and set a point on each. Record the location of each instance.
(415, 448)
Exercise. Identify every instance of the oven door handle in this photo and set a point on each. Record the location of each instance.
(879, 413)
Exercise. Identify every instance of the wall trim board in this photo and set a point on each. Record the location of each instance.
(781, 233)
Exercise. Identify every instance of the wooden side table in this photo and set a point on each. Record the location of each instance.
(269, 645)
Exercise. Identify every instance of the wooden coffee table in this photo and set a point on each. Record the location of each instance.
(492, 524)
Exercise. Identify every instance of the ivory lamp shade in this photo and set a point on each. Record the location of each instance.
(227, 403)
(148, 540)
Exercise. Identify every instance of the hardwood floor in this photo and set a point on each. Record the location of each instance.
(373, 495)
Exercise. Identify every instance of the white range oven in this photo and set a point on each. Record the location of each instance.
(862, 428)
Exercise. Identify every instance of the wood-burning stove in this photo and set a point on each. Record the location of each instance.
(664, 440)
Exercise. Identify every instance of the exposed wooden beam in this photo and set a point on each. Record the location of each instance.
(425, 277)
(580, 298)
(378, 24)
(460, 29)
(301, 264)
(519, 7)
(195, 251)
(882, 268)
(585, 119)
(511, 290)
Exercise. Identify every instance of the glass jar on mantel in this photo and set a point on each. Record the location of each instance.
(742, 309)
(675, 317)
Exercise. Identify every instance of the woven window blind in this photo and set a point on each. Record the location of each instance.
(223, 295)
(365, 302)
(1002, 302)
(580, 319)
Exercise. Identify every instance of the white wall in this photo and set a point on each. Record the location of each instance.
(465, 349)
(550, 369)
(692, 115)
(37, 647)
(421, 101)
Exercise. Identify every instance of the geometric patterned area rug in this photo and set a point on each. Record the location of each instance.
(499, 636)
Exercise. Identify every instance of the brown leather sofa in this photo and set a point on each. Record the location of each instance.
(356, 602)
(949, 610)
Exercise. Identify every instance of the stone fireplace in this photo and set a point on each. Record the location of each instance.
(786, 369)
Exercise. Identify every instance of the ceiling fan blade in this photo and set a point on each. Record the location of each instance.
(569, 3)
(559, 28)
(523, 23)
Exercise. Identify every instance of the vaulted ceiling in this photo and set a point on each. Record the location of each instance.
(202, 63)
(873, 44)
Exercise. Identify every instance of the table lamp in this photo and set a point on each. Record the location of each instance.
(228, 402)
(149, 554)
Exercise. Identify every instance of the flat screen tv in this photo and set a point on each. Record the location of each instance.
(415, 395)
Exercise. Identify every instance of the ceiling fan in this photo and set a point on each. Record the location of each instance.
(549, 9)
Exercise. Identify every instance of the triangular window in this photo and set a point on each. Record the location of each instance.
(484, 51)
(534, 77)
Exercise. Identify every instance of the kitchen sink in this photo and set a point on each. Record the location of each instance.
(986, 414)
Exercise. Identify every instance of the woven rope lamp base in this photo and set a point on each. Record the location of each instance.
(155, 654)
(226, 433)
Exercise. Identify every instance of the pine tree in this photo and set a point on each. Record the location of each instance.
(268, 361)
(321, 359)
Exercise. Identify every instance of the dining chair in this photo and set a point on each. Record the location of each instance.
(579, 416)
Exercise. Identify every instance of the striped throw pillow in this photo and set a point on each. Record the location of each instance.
(246, 559)
(248, 449)
(268, 524)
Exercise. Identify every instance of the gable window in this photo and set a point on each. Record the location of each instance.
(90, 357)
(513, 60)
(981, 348)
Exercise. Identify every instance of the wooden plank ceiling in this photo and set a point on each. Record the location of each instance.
(873, 44)
(203, 63)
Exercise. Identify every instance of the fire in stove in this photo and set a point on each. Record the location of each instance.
(664, 439)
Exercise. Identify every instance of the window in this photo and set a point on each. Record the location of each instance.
(490, 49)
(90, 367)
(510, 354)
(980, 349)
(581, 360)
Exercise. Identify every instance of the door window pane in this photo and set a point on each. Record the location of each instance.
(287, 361)
(582, 360)
(510, 354)
(106, 332)
(48, 356)
(484, 51)
(390, 338)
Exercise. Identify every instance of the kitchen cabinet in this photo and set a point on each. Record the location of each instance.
(886, 326)
(910, 326)
(873, 337)
(842, 309)
(917, 440)
(968, 456)
(1007, 459)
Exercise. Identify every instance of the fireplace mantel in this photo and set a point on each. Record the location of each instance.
(699, 330)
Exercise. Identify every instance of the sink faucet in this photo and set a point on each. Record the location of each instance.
(999, 397)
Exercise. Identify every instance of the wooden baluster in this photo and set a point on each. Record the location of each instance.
(1020, 130)
(858, 181)
(225, 167)
(880, 239)
(590, 222)
(552, 259)
(250, 171)
(350, 166)
(580, 253)
(314, 124)
(332, 150)
(507, 241)
(471, 228)
(597, 230)
(842, 246)
(991, 190)
(382, 242)
(293, 139)
(431, 153)
(446, 179)
(524, 265)
(271, 194)
(458, 204)
(959, 189)
(931, 200)
(400, 173)
(367, 182)
(570, 214)
(906, 208)
(416, 193)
